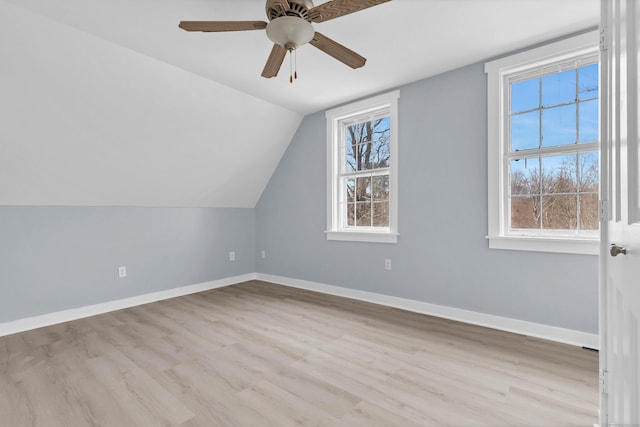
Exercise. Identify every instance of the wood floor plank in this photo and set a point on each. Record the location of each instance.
(367, 414)
(331, 398)
(212, 399)
(53, 395)
(284, 408)
(259, 354)
(136, 390)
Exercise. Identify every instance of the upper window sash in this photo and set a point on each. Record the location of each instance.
(548, 59)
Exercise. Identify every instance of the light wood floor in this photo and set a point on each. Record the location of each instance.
(258, 354)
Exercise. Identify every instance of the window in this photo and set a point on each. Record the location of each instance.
(544, 148)
(362, 170)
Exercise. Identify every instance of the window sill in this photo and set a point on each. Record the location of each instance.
(546, 244)
(360, 236)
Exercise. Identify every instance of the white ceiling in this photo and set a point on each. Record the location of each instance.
(403, 40)
(108, 102)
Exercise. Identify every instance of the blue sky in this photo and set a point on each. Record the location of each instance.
(555, 121)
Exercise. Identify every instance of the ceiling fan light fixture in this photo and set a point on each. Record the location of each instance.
(290, 32)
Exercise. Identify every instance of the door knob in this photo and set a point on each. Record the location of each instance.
(617, 250)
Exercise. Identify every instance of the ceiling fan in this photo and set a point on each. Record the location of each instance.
(290, 26)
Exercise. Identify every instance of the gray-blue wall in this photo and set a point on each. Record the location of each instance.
(442, 256)
(58, 258)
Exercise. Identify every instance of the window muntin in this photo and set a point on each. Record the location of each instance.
(552, 152)
(362, 170)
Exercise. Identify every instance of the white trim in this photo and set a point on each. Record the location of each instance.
(334, 116)
(363, 106)
(553, 333)
(359, 236)
(578, 45)
(497, 71)
(30, 323)
(546, 244)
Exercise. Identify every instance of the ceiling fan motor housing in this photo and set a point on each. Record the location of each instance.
(298, 8)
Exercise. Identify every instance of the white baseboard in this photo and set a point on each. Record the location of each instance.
(538, 330)
(567, 336)
(27, 324)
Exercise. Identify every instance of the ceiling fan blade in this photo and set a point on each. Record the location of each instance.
(274, 62)
(338, 51)
(336, 8)
(215, 26)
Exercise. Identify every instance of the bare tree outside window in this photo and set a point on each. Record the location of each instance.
(366, 172)
(563, 197)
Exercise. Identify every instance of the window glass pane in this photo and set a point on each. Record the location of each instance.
(588, 113)
(350, 157)
(559, 126)
(363, 189)
(525, 176)
(363, 214)
(382, 128)
(589, 212)
(357, 136)
(380, 214)
(525, 95)
(588, 82)
(381, 153)
(363, 156)
(350, 189)
(381, 188)
(525, 131)
(559, 88)
(356, 133)
(351, 214)
(559, 174)
(589, 172)
(559, 212)
(525, 212)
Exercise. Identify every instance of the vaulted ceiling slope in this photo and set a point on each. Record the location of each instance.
(108, 102)
(89, 122)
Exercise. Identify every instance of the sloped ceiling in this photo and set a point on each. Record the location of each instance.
(107, 102)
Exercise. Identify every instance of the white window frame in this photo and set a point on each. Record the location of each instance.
(498, 73)
(335, 230)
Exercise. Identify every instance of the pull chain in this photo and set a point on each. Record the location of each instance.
(293, 65)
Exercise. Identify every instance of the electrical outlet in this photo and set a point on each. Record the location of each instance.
(263, 254)
(387, 264)
(122, 272)
(232, 256)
